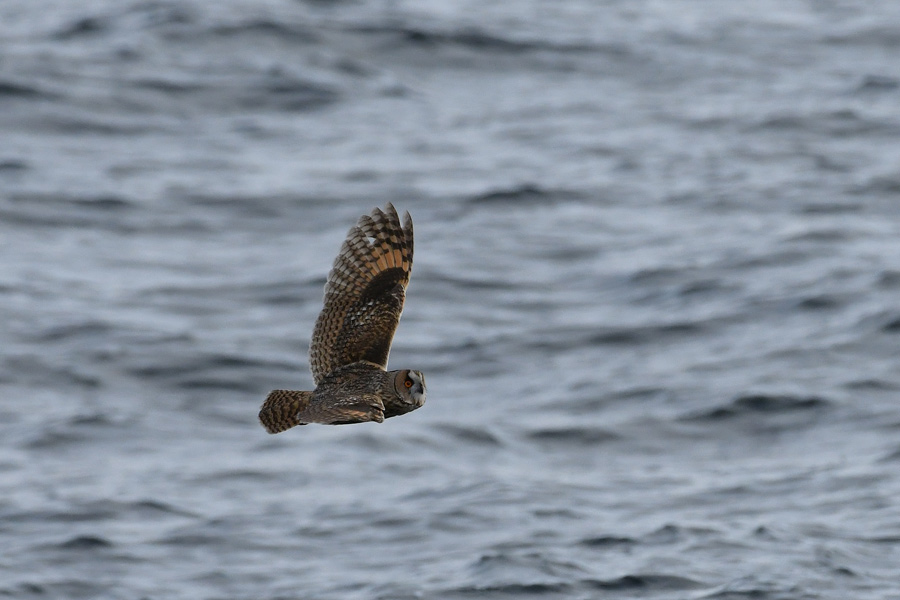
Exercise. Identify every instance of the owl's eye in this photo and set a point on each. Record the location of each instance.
(408, 383)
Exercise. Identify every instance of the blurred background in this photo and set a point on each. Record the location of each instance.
(655, 297)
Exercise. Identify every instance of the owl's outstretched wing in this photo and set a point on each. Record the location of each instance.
(364, 294)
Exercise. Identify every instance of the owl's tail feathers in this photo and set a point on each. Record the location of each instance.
(281, 409)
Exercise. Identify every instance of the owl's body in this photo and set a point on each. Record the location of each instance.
(351, 341)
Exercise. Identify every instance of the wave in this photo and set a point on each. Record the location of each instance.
(291, 32)
(607, 541)
(83, 27)
(34, 369)
(102, 510)
(481, 40)
(85, 542)
(14, 89)
(837, 123)
(104, 212)
(469, 435)
(523, 194)
(761, 405)
(79, 331)
(644, 583)
(215, 372)
(878, 83)
(578, 436)
(648, 582)
(567, 339)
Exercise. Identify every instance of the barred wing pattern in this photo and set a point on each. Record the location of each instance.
(364, 294)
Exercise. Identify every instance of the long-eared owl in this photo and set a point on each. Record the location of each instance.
(352, 337)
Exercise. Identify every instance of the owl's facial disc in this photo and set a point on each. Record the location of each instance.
(411, 387)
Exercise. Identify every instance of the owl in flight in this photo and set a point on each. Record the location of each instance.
(351, 341)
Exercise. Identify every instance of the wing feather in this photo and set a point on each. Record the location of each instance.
(364, 294)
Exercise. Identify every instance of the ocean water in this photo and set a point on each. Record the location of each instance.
(656, 296)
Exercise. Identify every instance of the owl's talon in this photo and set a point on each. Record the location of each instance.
(377, 413)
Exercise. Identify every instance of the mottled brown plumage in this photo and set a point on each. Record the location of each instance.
(352, 337)
(280, 410)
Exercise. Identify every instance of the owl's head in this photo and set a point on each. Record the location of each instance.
(410, 387)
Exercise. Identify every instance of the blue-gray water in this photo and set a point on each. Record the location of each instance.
(656, 296)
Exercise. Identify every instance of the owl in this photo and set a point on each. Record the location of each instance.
(351, 340)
